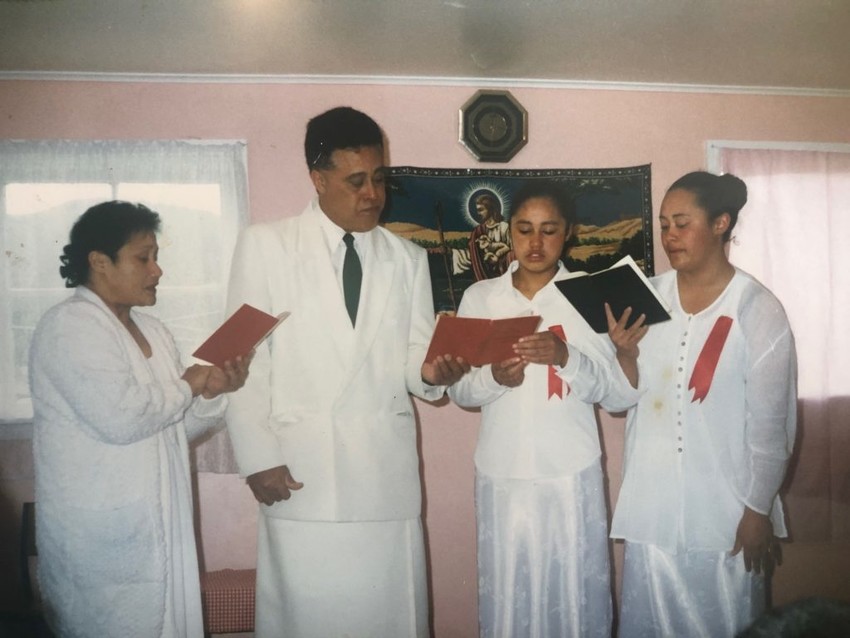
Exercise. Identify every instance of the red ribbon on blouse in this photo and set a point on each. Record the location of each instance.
(556, 383)
(706, 363)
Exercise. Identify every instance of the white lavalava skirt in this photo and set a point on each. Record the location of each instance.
(543, 558)
(698, 594)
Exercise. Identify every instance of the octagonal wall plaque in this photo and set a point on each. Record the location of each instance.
(493, 126)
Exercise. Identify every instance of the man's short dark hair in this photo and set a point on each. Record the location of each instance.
(340, 128)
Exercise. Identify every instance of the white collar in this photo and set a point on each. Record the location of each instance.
(334, 234)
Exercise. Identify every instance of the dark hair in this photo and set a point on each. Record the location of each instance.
(492, 204)
(341, 127)
(105, 228)
(715, 194)
(547, 189)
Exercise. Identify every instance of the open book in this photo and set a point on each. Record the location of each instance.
(479, 341)
(622, 285)
(239, 335)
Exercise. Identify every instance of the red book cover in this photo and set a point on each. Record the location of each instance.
(239, 335)
(479, 341)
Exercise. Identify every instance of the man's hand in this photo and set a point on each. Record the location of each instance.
(444, 370)
(509, 373)
(229, 379)
(755, 537)
(273, 485)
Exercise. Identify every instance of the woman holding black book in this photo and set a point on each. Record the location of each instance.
(708, 443)
(541, 518)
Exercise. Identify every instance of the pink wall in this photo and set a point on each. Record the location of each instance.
(568, 128)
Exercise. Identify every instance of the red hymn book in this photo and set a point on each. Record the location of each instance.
(239, 335)
(479, 341)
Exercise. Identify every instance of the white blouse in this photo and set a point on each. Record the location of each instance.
(528, 432)
(700, 447)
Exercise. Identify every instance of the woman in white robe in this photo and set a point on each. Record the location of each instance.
(543, 567)
(708, 443)
(113, 411)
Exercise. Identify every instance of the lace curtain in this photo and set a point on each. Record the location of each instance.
(792, 235)
(198, 187)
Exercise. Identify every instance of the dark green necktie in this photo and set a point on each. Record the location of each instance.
(352, 274)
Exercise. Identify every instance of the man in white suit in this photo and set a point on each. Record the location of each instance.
(324, 429)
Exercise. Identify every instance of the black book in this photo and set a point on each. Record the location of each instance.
(623, 285)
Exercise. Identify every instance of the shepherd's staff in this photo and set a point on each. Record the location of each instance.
(438, 213)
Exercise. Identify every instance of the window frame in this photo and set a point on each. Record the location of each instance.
(122, 162)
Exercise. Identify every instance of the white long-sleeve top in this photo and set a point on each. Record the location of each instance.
(525, 433)
(692, 466)
(112, 484)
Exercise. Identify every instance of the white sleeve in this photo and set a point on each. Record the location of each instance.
(597, 377)
(421, 330)
(622, 395)
(79, 356)
(203, 414)
(771, 398)
(255, 445)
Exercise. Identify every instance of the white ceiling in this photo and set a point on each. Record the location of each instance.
(794, 44)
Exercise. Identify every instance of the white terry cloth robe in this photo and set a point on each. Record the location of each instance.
(543, 561)
(344, 556)
(114, 527)
(698, 449)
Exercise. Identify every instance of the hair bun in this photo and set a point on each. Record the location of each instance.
(734, 191)
(69, 270)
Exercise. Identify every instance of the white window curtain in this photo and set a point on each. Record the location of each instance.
(792, 235)
(199, 188)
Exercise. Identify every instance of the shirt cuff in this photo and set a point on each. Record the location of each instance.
(569, 371)
(432, 392)
(202, 407)
(489, 381)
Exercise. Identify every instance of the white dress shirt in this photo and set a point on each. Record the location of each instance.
(524, 432)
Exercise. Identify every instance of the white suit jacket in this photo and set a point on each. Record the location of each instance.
(329, 400)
